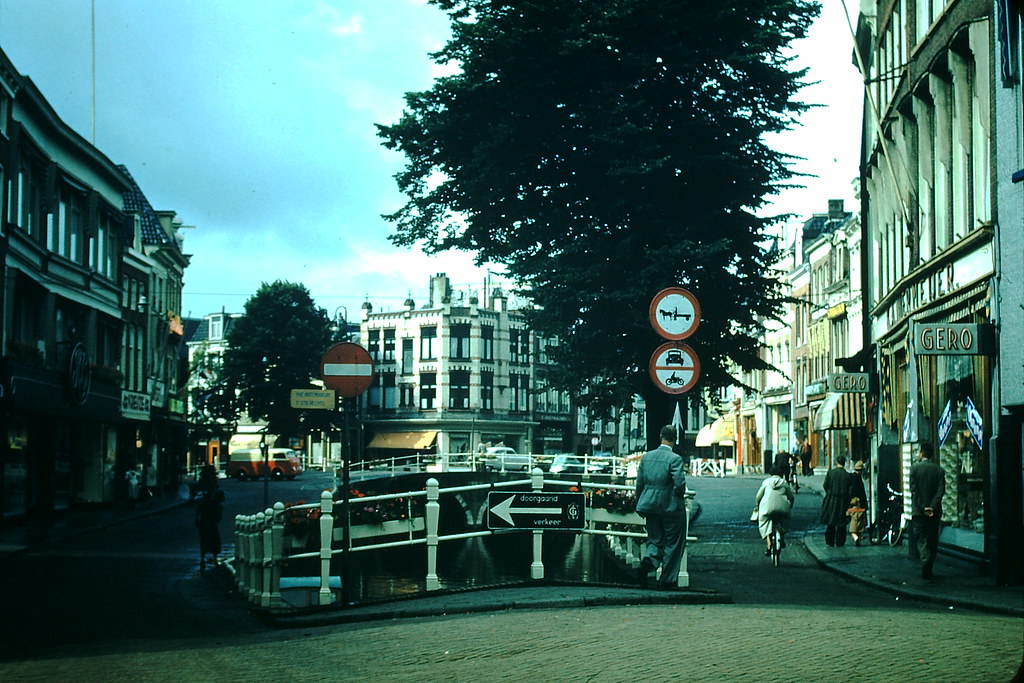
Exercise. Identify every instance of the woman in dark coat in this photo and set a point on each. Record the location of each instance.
(208, 513)
(836, 502)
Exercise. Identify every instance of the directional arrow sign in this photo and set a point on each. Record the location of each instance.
(535, 510)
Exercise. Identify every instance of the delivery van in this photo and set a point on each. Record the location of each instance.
(247, 463)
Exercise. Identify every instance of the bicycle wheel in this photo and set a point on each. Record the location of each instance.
(896, 535)
(776, 548)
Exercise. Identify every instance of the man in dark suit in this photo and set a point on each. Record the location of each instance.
(836, 503)
(660, 485)
(927, 486)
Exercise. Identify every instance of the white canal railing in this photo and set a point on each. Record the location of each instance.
(261, 543)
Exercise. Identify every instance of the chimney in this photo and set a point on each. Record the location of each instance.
(440, 290)
(835, 209)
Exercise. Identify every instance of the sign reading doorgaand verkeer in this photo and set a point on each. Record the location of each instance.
(535, 510)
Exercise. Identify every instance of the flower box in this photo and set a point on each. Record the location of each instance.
(604, 516)
(388, 528)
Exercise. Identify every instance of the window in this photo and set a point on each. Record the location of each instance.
(389, 346)
(428, 343)
(513, 345)
(460, 342)
(487, 342)
(373, 344)
(428, 391)
(458, 397)
(406, 393)
(487, 391)
(520, 385)
(407, 359)
(216, 327)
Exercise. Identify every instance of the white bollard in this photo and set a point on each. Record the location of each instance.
(277, 554)
(433, 511)
(537, 566)
(326, 597)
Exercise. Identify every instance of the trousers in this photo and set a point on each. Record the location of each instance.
(666, 540)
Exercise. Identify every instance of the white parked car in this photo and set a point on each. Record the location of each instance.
(499, 458)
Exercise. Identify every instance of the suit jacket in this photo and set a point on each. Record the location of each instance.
(660, 483)
(927, 486)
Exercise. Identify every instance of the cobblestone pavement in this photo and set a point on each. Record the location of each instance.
(621, 643)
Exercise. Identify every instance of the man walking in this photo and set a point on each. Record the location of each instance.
(660, 485)
(835, 504)
(927, 486)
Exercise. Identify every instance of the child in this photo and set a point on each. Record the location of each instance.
(857, 522)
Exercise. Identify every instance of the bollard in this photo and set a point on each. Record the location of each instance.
(537, 567)
(277, 554)
(326, 597)
(267, 558)
(433, 516)
(240, 558)
(256, 538)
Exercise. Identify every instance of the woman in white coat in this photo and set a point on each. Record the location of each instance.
(774, 502)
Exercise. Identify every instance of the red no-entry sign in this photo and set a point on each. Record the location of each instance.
(347, 368)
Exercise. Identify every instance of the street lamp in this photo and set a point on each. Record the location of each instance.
(340, 324)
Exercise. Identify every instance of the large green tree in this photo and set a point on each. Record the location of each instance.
(602, 150)
(274, 348)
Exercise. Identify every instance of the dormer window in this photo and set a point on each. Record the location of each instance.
(216, 326)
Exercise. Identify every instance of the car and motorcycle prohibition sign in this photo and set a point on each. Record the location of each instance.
(674, 368)
(674, 313)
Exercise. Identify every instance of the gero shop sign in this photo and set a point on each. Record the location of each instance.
(952, 339)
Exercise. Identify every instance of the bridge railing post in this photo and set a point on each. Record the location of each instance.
(267, 565)
(537, 567)
(276, 553)
(256, 538)
(326, 597)
(240, 555)
(433, 511)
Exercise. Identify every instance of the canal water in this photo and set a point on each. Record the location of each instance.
(483, 561)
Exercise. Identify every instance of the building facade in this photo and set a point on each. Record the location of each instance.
(77, 386)
(929, 200)
(458, 375)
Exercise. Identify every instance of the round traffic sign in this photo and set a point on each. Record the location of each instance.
(347, 368)
(674, 313)
(674, 368)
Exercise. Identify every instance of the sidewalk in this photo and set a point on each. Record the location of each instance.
(957, 583)
(25, 535)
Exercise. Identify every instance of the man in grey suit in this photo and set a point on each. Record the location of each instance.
(660, 485)
(927, 486)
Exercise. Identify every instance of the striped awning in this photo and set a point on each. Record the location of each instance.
(414, 441)
(841, 411)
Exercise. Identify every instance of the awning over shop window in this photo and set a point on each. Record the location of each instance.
(414, 441)
(841, 411)
(721, 430)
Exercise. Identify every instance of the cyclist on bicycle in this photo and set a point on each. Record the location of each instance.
(774, 502)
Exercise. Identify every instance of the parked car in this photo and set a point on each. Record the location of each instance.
(499, 458)
(247, 463)
(573, 464)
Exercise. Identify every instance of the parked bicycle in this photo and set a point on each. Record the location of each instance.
(892, 522)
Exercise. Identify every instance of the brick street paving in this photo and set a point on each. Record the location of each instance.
(796, 623)
(625, 643)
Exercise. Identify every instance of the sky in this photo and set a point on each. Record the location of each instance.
(254, 121)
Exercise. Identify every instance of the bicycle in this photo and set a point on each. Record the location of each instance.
(775, 544)
(794, 469)
(892, 522)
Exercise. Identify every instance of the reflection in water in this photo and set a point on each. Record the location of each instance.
(483, 561)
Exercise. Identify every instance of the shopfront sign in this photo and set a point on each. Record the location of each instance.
(848, 382)
(135, 405)
(951, 339)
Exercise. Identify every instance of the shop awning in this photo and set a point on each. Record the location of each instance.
(722, 429)
(840, 411)
(414, 441)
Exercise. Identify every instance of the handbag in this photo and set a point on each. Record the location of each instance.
(753, 515)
